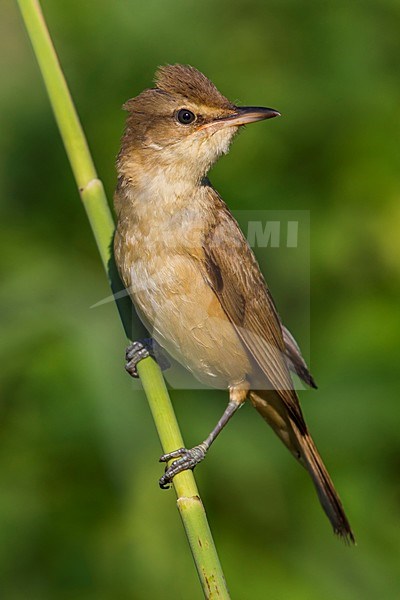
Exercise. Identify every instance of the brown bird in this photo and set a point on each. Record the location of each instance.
(191, 274)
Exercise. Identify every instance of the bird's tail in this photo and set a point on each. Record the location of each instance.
(269, 405)
(327, 494)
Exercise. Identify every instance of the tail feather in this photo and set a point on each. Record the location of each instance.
(271, 408)
(327, 494)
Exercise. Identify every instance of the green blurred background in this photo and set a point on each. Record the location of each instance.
(81, 515)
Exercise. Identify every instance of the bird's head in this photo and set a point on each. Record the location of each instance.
(184, 123)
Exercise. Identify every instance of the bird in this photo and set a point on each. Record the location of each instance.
(192, 276)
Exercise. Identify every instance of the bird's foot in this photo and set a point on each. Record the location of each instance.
(141, 349)
(186, 459)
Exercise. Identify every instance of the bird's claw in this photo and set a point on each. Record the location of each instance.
(185, 459)
(141, 349)
(135, 352)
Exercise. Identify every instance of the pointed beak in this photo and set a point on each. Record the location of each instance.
(248, 114)
(242, 115)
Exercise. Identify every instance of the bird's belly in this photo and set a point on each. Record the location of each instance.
(185, 317)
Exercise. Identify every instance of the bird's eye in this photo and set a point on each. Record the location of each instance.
(185, 116)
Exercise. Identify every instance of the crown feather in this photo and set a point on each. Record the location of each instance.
(191, 84)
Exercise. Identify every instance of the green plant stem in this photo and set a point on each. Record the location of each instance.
(190, 506)
(95, 202)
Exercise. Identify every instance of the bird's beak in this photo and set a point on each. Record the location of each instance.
(244, 115)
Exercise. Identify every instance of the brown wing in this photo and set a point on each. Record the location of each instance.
(235, 277)
(294, 358)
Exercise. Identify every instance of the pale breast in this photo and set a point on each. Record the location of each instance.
(178, 307)
(158, 249)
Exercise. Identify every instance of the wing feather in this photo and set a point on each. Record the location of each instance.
(233, 273)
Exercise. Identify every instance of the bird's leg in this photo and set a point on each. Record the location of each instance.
(189, 458)
(137, 351)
